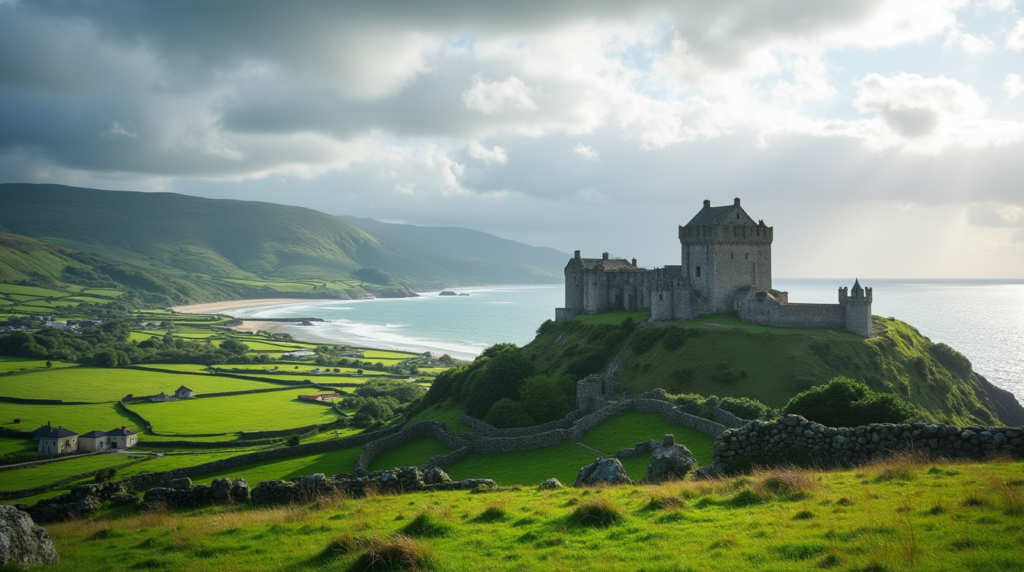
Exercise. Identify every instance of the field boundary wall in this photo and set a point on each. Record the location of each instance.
(425, 430)
(22, 493)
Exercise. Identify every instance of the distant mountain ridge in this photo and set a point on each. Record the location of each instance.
(224, 243)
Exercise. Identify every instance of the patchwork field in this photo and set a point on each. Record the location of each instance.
(8, 363)
(95, 385)
(413, 452)
(33, 476)
(78, 418)
(251, 412)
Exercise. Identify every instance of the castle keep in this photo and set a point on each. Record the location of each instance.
(726, 267)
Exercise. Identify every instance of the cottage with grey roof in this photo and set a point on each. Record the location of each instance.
(726, 267)
(55, 440)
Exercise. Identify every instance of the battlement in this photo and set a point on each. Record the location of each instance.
(738, 234)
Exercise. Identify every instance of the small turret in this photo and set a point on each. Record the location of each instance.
(857, 306)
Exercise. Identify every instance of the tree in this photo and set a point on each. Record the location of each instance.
(446, 359)
(502, 378)
(508, 413)
(543, 399)
(843, 402)
(359, 372)
(49, 363)
(233, 347)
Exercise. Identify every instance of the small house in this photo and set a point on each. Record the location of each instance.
(161, 397)
(122, 438)
(55, 440)
(320, 397)
(184, 393)
(93, 441)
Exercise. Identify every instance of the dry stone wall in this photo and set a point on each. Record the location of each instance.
(579, 428)
(425, 430)
(762, 442)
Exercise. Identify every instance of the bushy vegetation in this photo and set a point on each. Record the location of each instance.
(501, 387)
(843, 402)
(379, 400)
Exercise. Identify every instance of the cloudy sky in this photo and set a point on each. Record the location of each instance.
(880, 138)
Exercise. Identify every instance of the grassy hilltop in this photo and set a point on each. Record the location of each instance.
(196, 249)
(719, 355)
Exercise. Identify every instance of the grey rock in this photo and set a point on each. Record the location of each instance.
(182, 484)
(792, 420)
(23, 543)
(670, 462)
(608, 471)
(550, 484)
(240, 490)
(220, 490)
(476, 483)
(436, 476)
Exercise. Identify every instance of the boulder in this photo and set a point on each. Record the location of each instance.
(608, 471)
(312, 486)
(182, 484)
(23, 543)
(436, 476)
(240, 490)
(124, 499)
(550, 484)
(274, 492)
(670, 461)
(477, 483)
(220, 490)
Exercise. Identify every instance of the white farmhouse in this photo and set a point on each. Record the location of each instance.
(55, 440)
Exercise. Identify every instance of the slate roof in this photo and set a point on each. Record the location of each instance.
(610, 265)
(122, 432)
(48, 432)
(94, 434)
(710, 216)
(182, 388)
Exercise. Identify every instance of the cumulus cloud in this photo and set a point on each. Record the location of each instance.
(1015, 39)
(488, 156)
(586, 152)
(1013, 85)
(498, 96)
(923, 115)
(970, 44)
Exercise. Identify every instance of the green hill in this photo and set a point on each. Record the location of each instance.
(242, 248)
(719, 355)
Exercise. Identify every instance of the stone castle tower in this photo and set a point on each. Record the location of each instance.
(725, 267)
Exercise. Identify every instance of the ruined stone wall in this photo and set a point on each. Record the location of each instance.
(150, 480)
(483, 428)
(425, 430)
(764, 309)
(590, 393)
(760, 442)
(673, 415)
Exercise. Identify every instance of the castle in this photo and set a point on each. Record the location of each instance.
(726, 268)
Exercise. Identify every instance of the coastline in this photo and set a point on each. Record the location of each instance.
(218, 307)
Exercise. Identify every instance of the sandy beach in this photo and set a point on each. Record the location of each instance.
(218, 307)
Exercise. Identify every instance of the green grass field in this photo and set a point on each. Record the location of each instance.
(92, 384)
(936, 518)
(330, 463)
(8, 363)
(251, 412)
(78, 418)
(413, 452)
(34, 476)
(626, 430)
(527, 468)
(15, 445)
(189, 367)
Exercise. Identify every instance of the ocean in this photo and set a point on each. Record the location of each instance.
(983, 319)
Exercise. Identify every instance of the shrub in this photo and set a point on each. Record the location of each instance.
(843, 402)
(500, 379)
(673, 339)
(509, 413)
(596, 513)
(294, 440)
(543, 399)
(747, 408)
(645, 339)
(401, 390)
(952, 359)
(105, 475)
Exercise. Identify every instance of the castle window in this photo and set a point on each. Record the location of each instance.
(737, 216)
(698, 272)
(746, 256)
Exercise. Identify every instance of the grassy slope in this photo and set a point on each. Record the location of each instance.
(80, 418)
(959, 517)
(33, 476)
(252, 247)
(774, 364)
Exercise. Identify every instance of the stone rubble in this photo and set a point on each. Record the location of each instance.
(670, 461)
